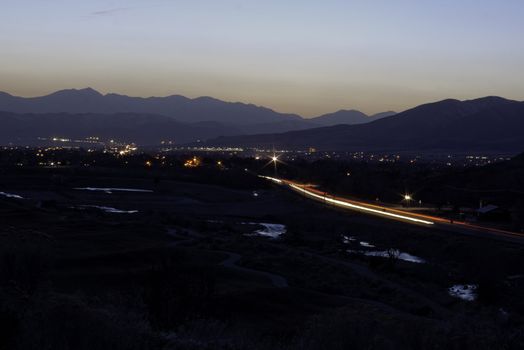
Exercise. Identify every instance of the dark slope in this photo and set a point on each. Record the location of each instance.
(500, 184)
(488, 124)
(350, 117)
(382, 115)
(498, 178)
(148, 129)
(341, 117)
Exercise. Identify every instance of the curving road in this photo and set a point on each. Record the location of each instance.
(391, 213)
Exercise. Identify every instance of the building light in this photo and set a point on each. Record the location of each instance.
(192, 163)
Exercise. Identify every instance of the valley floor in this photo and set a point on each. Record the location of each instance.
(189, 266)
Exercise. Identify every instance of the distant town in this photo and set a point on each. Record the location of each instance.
(54, 149)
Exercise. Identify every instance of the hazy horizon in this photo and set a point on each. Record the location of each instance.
(304, 57)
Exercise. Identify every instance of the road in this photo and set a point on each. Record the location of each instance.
(395, 214)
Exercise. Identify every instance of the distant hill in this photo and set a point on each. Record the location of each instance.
(490, 180)
(382, 115)
(485, 124)
(351, 117)
(144, 129)
(500, 184)
(181, 108)
(241, 117)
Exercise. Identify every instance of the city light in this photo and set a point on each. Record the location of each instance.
(192, 163)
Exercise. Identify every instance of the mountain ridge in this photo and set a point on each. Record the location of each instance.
(142, 129)
(203, 108)
(447, 124)
(351, 116)
(489, 123)
(182, 108)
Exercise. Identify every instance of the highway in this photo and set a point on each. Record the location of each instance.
(395, 214)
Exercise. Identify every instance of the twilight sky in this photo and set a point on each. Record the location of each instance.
(306, 57)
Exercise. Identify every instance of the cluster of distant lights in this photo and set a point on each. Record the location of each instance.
(88, 140)
(124, 149)
(203, 149)
(194, 162)
(483, 160)
(112, 147)
(313, 153)
(449, 160)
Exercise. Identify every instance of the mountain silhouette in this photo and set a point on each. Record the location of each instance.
(143, 129)
(179, 107)
(244, 118)
(351, 117)
(485, 124)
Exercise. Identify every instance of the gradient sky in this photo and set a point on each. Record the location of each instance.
(306, 57)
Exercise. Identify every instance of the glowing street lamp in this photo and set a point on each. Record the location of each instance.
(274, 160)
(408, 198)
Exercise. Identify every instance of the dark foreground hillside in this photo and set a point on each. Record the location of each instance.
(189, 271)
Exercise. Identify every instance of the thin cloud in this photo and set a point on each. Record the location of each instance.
(109, 11)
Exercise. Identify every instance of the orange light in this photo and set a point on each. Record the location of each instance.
(192, 163)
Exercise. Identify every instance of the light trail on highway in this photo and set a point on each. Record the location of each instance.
(359, 207)
(391, 213)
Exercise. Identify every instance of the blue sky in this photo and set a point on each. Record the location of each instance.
(307, 57)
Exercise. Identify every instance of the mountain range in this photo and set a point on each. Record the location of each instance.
(491, 124)
(142, 129)
(351, 117)
(241, 118)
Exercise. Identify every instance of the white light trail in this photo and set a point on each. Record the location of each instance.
(278, 181)
(359, 207)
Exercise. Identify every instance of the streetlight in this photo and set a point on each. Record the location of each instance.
(274, 160)
(408, 198)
